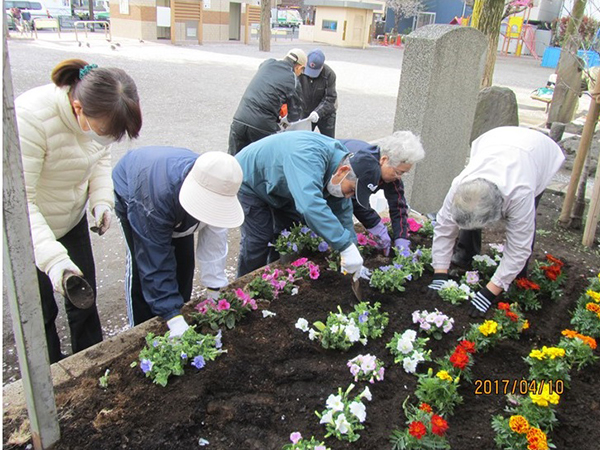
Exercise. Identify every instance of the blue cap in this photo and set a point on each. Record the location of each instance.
(316, 60)
(368, 173)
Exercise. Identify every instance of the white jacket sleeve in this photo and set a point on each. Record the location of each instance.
(444, 235)
(211, 254)
(48, 251)
(520, 229)
(101, 189)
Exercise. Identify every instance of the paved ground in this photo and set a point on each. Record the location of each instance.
(189, 95)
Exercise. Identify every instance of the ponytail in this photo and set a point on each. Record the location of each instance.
(67, 72)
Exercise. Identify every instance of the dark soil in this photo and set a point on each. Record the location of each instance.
(273, 378)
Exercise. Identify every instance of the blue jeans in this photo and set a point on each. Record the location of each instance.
(262, 225)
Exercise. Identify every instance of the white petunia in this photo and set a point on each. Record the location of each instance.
(267, 313)
(449, 284)
(302, 324)
(352, 333)
(410, 365)
(341, 424)
(312, 334)
(335, 402)
(404, 346)
(359, 410)
(366, 394)
(327, 417)
(409, 334)
(294, 291)
(335, 329)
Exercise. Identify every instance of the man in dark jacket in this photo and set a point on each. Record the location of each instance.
(162, 196)
(396, 155)
(318, 93)
(275, 83)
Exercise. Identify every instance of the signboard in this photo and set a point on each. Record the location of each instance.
(163, 16)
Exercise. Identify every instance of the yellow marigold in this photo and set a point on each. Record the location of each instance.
(554, 352)
(444, 375)
(537, 354)
(593, 295)
(546, 397)
(488, 327)
(525, 324)
(537, 439)
(569, 333)
(518, 424)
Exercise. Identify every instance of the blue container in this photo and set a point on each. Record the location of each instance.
(552, 55)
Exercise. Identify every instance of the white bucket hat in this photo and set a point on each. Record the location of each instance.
(209, 191)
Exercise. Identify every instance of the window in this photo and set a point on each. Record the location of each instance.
(329, 25)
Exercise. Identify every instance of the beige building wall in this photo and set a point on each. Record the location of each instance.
(139, 22)
(351, 25)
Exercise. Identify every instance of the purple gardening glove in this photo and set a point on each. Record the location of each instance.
(382, 237)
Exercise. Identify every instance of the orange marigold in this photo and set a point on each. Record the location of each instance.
(505, 306)
(569, 333)
(588, 340)
(512, 316)
(526, 284)
(467, 346)
(438, 425)
(425, 407)
(593, 308)
(417, 429)
(537, 439)
(518, 424)
(552, 272)
(555, 261)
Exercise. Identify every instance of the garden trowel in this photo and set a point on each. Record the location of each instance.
(355, 283)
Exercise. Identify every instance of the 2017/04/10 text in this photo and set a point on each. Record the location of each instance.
(522, 387)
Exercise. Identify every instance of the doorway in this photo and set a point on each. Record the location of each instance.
(235, 21)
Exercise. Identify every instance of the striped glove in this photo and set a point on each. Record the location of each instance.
(481, 302)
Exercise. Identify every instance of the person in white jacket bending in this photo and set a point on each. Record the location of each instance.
(65, 132)
(509, 169)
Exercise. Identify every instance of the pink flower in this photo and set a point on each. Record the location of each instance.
(413, 225)
(314, 271)
(295, 437)
(371, 243)
(386, 220)
(362, 239)
(242, 295)
(299, 262)
(223, 305)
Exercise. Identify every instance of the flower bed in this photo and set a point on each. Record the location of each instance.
(273, 379)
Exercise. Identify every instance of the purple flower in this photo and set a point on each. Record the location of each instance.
(146, 365)
(404, 252)
(285, 233)
(198, 362)
(218, 343)
(408, 277)
(313, 234)
(398, 266)
(155, 343)
(295, 437)
(385, 268)
(294, 247)
(304, 230)
(323, 246)
(472, 277)
(183, 355)
(363, 317)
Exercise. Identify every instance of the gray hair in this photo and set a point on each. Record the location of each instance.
(346, 162)
(402, 147)
(476, 204)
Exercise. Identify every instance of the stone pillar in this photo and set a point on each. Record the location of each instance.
(440, 80)
(496, 107)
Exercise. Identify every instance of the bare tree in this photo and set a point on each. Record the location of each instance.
(489, 24)
(264, 39)
(404, 8)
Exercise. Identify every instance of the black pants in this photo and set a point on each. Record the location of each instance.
(469, 245)
(262, 225)
(138, 310)
(241, 135)
(326, 125)
(84, 324)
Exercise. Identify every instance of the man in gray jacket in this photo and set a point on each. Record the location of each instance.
(275, 84)
(318, 93)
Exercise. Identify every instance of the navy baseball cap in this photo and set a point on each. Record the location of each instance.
(316, 60)
(368, 173)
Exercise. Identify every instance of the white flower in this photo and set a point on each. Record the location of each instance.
(341, 424)
(404, 346)
(294, 291)
(366, 394)
(448, 325)
(486, 259)
(327, 417)
(498, 247)
(359, 410)
(409, 334)
(335, 329)
(416, 316)
(267, 313)
(312, 334)
(302, 324)
(342, 318)
(335, 402)
(418, 357)
(410, 365)
(439, 320)
(368, 363)
(425, 326)
(449, 284)
(431, 317)
(352, 332)
(465, 288)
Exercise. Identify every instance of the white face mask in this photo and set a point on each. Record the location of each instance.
(102, 140)
(336, 189)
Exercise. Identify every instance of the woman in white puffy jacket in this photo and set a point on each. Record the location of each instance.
(65, 131)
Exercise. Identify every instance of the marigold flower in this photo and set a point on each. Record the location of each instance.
(518, 424)
(552, 272)
(554, 352)
(425, 407)
(512, 316)
(417, 429)
(593, 308)
(593, 295)
(537, 354)
(467, 346)
(459, 358)
(488, 327)
(585, 339)
(537, 439)
(504, 306)
(554, 260)
(569, 333)
(524, 283)
(526, 324)
(438, 425)
(545, 398)
(444, 375)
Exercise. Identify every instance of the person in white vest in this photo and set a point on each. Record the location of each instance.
(65, 131)
(508, 170)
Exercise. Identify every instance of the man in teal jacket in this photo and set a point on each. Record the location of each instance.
(302, 177)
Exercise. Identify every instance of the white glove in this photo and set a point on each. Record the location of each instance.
(363, 273)
(103, 216)
(214, 294)
(314, 117)
(351, 260)
(177, 326)
(60, 271)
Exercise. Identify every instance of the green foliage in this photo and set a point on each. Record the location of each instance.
(344, 416)
(549, 363)
(425, 430)
(164, 356)
(390, 278)
(103, 380)
(226, 311)
(485, 265)
(299, 238)
(439, 390)
(452, 293)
